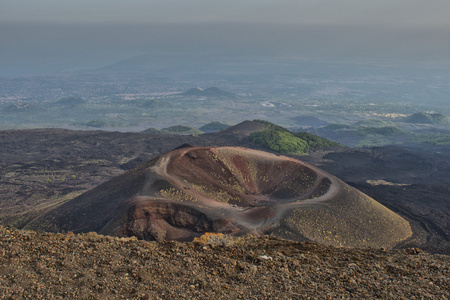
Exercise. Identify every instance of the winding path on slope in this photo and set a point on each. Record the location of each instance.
(262, 192)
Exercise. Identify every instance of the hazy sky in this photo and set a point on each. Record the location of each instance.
(62, 34)
(399, 13)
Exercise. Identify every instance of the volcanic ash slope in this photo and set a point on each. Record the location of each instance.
(189, 191)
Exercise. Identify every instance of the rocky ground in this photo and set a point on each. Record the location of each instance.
(90, 266)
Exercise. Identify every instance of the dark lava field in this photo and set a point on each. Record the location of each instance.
(43, 168)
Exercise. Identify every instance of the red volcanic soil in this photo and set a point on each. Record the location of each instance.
(192, 190)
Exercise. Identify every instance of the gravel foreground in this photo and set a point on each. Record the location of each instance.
(91, 266)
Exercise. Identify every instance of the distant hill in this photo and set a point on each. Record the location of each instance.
(214, 127)
(428, 118)
(309, 121)
(372, 123)
(181, 129)
(388, 131)
(24, 107)
(70, 102)
(96, 123)
(211, 92)
(152, 131)
(278, 139)
(337, 126)
(143, 63)
(245, 128)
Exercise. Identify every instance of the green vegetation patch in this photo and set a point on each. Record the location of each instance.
(279, 141)
(433, 139)
(337, 126)
(315, 142)
(151, 131)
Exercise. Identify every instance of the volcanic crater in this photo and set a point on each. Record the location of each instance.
(242, 178)
(192, 190)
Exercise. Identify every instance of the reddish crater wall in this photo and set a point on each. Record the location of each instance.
(243, 178)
